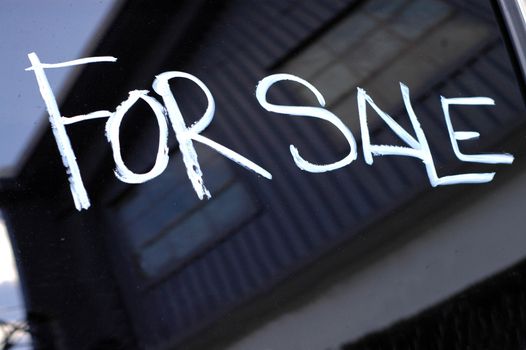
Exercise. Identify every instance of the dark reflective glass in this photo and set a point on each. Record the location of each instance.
(306, 260)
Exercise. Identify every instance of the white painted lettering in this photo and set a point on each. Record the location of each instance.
(78, 191)
(416, 147)
(456, 136)
(112, 133)
(186, 135)
(314, 112)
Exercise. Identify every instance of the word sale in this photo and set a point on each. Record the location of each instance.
(416, 147)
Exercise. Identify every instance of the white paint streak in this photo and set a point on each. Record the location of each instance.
(77, 62)
(185, 135)
(314, 112)
(89, 116)
(466, 135)
(112, 133)
(239, 159)
(78, 191)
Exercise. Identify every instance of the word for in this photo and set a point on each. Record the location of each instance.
(186, 135)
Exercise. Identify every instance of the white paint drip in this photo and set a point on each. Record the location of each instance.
(314, 112)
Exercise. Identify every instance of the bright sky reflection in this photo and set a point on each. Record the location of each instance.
(7, 262)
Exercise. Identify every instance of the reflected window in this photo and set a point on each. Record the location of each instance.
(383, 43)
(167, 224)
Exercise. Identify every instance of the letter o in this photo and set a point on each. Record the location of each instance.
(112, 133)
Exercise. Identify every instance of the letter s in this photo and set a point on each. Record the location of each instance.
(314, 112)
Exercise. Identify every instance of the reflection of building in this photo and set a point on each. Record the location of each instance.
(151, 266)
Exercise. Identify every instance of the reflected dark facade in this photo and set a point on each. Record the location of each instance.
(152, 266)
